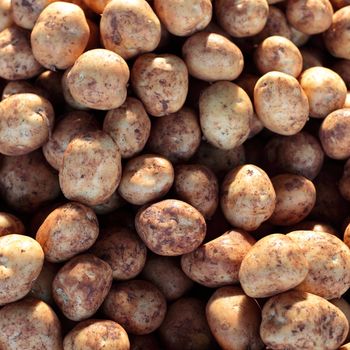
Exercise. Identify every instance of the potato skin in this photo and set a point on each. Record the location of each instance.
(316, 226)
(10, 224)
(342, 67)
(6, 18)
(291, 320)
(344, 306)
(112, 203)
(144, 342)
(14, 87)
(345, 181)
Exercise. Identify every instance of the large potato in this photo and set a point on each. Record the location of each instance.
(10, 224)
(6, 18)
(344, 306)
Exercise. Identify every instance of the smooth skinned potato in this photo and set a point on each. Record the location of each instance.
(10, 224)
(6, 18)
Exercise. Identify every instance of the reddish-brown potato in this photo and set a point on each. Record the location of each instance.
(10, 224)
(344, 306)
(96, 5)
(6, 18)
(311, 58)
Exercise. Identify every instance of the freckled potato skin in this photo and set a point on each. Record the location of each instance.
(344, 306)
(91, 168)
(138, 306)
(161, 83)
(329, 263)
(97, 334)
(280, 103)
(298, 320)
(239, 328)
(170, 227)
(81, 285)
(10, 224)
(6, 18)
(29, 324)
(316, 226)
(247, 197)
(97, 5)
(21, 260)
(344, 182)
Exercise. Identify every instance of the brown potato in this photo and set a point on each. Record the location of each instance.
(6, 18)
(144, 342)
(344, 182)
(344, 306)
(346, 236)
(138, 306)
(14, 87)
(97, 5)
(311, 58)
(81, 285)
(316, 226)
(170, 227)
(248, 198)
(94, 38)
(347, 101)
(10, 224)
(112, 203)
(342, 67)
(29, 324)
(298, 38)
(237, 329)
(337, 4)
(345, 347)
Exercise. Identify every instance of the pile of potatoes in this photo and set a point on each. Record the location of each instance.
(174, 175)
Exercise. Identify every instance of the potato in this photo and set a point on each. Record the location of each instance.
(311, 58)
(296, 319)
(97, 334)
(298, 38)
(21, 261)
(329, 263)
(144, 342)
(170, 227)
(247, 197)
(160, 82)
(344, 185)
(185, 326)
(81, 285)
(123, 250)
(10, 224)
(138, 306)
(98, 79)
(29, 324)
(344, 306)
(129, 126)
(242, 18)
(237, 329)
(342, 67)
(166, 274)
(337, 4)
(6, 18)
(14, 87)
(27, 182)
(234, 108)
(97, 5)
(112, 203)
(216, 263)
(176, 136)
(17, 59)
(347, 101)
(129, 28)
(277, 53)
(316, 226)
(91, 168)
(345, 347)
(55, 44)
(146, 178)
(280, 103)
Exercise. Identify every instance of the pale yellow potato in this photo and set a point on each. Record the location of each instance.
(316, 226)
(344, 306)
(6, 18)
(344, 182)
(97, 5)
(347, 101)
(345, 347)
(14, 87)
(10, 224)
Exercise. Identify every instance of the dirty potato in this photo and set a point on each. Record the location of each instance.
(10, 224)
(14, 87)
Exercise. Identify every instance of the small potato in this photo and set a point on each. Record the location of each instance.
(14, 87)
(91, 168)
(129, 126)
(280, 103)
(216, 263)
(29, 324)
(6, 18)
(161, 83)
(97, 5)
(248, 197)
(60, 35)
(97, 334)
(81, 285)
(170, 227)
(185, 326)
(138, 306)
(98, 79)
(112, 203)
(10, 224)
(21, 261)
(176, 136)
(234, 319)
(316, 226)
(342, 67)
(123, 250)
(329, 263)
(344, 306)
(144, 342)
(299, 320)
(347, 101)
(17, 59)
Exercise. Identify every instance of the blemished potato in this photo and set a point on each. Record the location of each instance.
(51, 82)
(310, 17)
(176, 136)
(10, 224)
(6, 18)
(329, 263)
(81, 285)
(160, 82)
(21, 261)
(344, 306)
(316, 226)
(129, 28)
(97, 334)
(137, 305)
(123, 250)
(291, 321)
(170, 227)
(342, 67)
(97, 5)
(60, 35)
(237, 329)
(247, 197)
(98, 79)
(280, 103)
(184, 17)
(14, 87)
(166, 274)
(277, 53)
(112, 203)
(242, 18)
(225, 112)
(17, 59)
(146, 178)
(144, 342)
(185, 326)
(298, 38)
(129, 126)
(311, 58)
(91, 168)
(216, 263)
(29, 324)
(68, 230)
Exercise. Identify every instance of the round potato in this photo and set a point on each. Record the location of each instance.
(6, 18)
(344, 182)
(347, 101)
(10, 224)
(14, 87)
(316, 226)
(112, 203)
(344, 306)
(97, 5)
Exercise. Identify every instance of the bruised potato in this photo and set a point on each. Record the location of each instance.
(10, 224)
